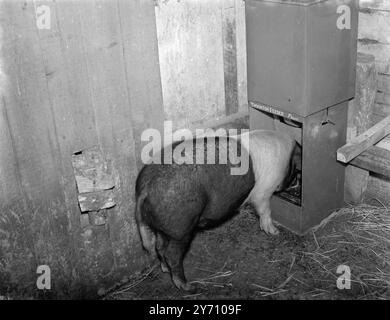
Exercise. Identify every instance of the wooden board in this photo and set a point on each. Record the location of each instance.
(190, 38)
(374, 25)
(374, 159)
(383, 98)
(378, 190)
(381, 52)
(381, 110)
(202, 49)
(384, 83)
(362, 142)
(384, 143)
(142, 72)
(26, 104)
(241, 56)
(96, 201)
(92, 172)
(375, 4)
(355, 184)
(230, 56)
(361, 108)
(91, 79)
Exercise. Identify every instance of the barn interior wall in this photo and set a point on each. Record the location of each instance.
(374, 39)
(202, 59)
(92, 78)
(104, 72)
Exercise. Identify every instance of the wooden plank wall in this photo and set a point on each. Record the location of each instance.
(202, 59)
(374, 38)
(91, 79)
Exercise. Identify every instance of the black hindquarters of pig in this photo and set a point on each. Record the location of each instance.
(174, 201)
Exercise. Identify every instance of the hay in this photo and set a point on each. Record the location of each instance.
(358, 237)
(291, 266)
(129, 283)
(210, 279)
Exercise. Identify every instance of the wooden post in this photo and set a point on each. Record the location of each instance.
(359, 120)
(230, 56)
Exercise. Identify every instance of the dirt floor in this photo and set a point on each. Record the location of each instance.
(239, 261)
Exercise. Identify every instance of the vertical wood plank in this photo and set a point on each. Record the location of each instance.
(191, 61)
(10, 180)
(140, 50)
(360, 112)
(241, 56)
(38, 231)
(73, 116)
(67, 77)
(26, 102)
(112, 105)
(230, 55)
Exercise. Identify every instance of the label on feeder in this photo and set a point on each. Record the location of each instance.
(274, 111)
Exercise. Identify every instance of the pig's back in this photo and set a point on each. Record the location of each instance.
(188, 194)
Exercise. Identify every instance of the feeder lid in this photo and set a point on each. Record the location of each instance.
(294, 2)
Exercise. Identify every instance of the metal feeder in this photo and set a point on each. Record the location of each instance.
(301, 59)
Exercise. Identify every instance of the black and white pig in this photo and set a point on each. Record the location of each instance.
(174, 201)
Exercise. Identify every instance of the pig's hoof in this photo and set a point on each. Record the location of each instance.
(185, 286)
(164, 267)
(267, 226)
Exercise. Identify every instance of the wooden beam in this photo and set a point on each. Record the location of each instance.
(384, 143)
(361, 108)
(362, 142)
(374, 159)
(360, 111)
(356, 180)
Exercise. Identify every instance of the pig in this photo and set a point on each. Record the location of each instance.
(175, 201)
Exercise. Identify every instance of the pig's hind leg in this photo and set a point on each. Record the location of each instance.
(264, 211)
(261, 201)
(161, 246)
(174, 256)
